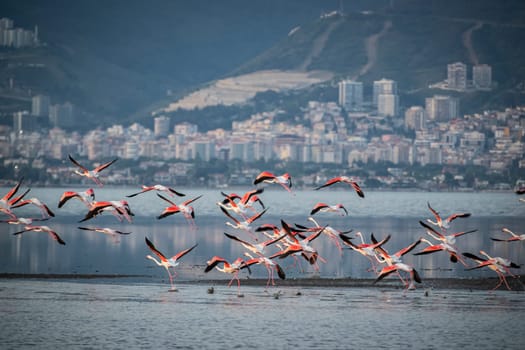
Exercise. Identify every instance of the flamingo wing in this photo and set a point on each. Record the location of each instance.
(182, 253)
(105, 165)
(77, 164)
(155, 250)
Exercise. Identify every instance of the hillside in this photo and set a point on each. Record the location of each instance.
(118, 60)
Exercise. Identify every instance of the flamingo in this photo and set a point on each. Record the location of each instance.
(325, 208)
(157, 187)
(444, 223)
(107, 231)
(368, 250)
(343, 179)
(497, 264)
(329, 231)
(449, 239)
(513, 236)
(167, 262)
(245, 202)
(51, 233)
(270, 266)
(118, 208)
(299, 246)
(91, 174)
(244, 225)
(284, 180)
(451, 250)
(8, 200)
(46, 212)
(232, 268)
(256, 248)
(395, 264)
(183, 208)
(23, 221)
(86, 197)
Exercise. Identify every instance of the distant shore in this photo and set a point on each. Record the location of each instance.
(516, 284)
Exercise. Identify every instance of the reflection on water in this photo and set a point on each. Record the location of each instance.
(392, 213)
(51, 314)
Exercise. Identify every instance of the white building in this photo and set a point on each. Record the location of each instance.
(415, 118)
(40, 105)
(161, 126)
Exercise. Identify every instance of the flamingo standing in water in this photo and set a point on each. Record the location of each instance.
(160, 188)
(91, 174)
(51, 233)
(183, 208)
(497, 264)
(87, 197)
(167, 262)
(326, 208)
(343, 179)
(444, 223)
(284, 180)
(232, 268)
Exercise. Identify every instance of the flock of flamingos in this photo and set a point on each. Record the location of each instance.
(290, 240)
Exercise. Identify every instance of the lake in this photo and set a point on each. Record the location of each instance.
(139, 311)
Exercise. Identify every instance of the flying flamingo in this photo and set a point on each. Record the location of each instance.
(91, 174)
(326, 208)
(329, 231)
(183, 208)
(497, 264)
(368, 250)
(301, 246)
(256, 248)
(513, 236)
(107, 231)
(270, 266)
(395, 264)
(244, 203)
(167, 262)
(343, 179)
(444, 223)
(22, 221)
(120, 209)
(449, 239)
(51, 233)
(232, 268)
(244, 225)
(8, 200)
(284, 180)
(46, 212)
(451, 250)
(86, 197)
(160, 188)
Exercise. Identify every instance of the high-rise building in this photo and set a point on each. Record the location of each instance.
(383, 87)
(387, 105)
(441, 108)
(415, 118)
(457, 76)
(40, 105)
(161, 127)
(351, 95)
(62, 115)
(482, 76)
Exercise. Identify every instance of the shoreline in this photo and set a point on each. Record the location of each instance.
(486, 283)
